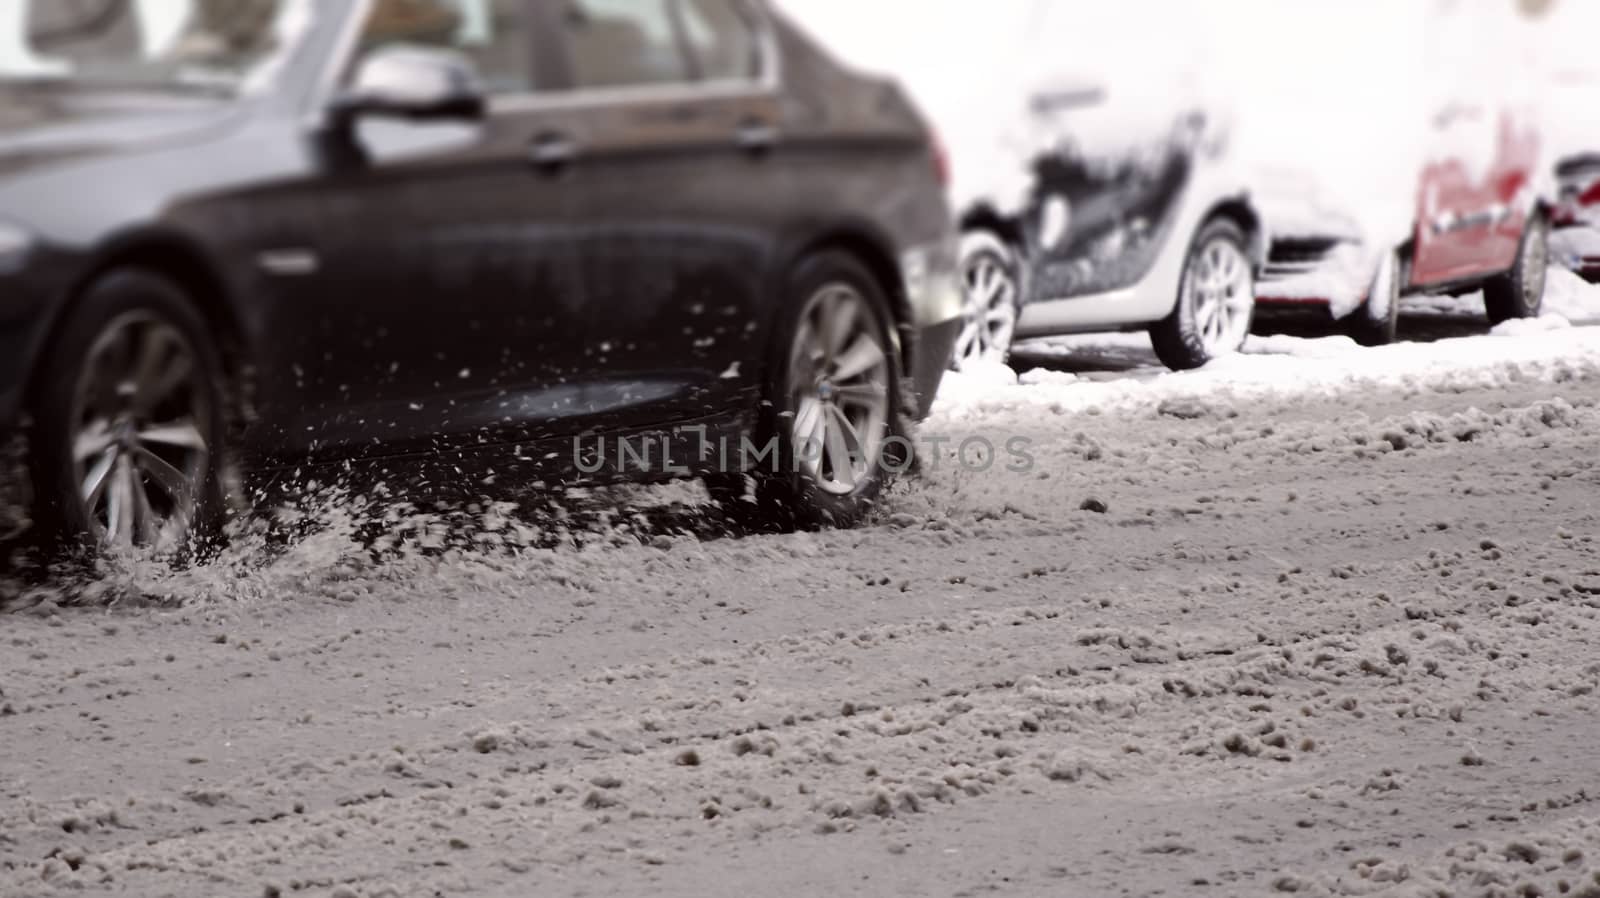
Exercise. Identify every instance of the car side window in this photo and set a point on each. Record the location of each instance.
(721, 39)
(631, 43)
(623, 43)
(493, 34)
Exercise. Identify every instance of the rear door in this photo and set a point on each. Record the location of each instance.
(1102, 213)
(1457, 214)
(1482, 151)
(669, 110)
(1113, 134)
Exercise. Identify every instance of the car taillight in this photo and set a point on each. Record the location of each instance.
(941, 158)
(1591, 195)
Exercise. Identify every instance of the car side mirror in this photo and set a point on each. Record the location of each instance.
(413, 82)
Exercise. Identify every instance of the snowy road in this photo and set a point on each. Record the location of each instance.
(1332, 633)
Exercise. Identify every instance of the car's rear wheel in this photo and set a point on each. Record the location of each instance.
(1519, 293)
(832, 403)
(992, 279)
(1377, 322)
(127, 422)
(1216, 300)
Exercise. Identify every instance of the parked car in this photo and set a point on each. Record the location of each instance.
(1478, 226)
(1573, 82)
(1120, 230)
(257, 234)
(1575, 241)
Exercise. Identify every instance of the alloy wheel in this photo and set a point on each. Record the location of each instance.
(989, 314)
(1535, 266)
(1222, 294)
(838, 389)
(139, 417)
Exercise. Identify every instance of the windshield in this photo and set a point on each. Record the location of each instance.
(224, 45)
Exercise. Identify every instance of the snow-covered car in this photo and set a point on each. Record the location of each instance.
(1481, 227)
(1117, 230)
(1458, 167)
(1093, 165)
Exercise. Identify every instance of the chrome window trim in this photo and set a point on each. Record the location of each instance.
(766, 84)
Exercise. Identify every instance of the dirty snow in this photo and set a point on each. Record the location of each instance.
(1314, 620)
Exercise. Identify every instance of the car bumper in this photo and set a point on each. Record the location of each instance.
(930, 361)
(933, 290)
(1336, 276)
(1577, 247)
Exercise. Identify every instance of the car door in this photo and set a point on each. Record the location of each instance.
(1457, 215)
(1482, 150)
(669, 112)
(427, 287)
(1102, 210)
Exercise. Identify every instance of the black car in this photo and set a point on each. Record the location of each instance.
(252, 235)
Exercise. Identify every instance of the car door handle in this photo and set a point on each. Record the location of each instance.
(756, 136)
(553, 152)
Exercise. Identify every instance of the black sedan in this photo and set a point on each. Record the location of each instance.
(641, 238)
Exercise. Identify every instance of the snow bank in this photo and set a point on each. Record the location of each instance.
(1571, 297)
(1570, 246)
(1285, 367)
(1565, 295)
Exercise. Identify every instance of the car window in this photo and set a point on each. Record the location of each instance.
(721, 38)
(200, 44)
(623, 43)
(491, 33)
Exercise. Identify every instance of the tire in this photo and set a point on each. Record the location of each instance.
(1519, 293)
(1216, 300)
(991, 274)
(1377, 322)
(810, 483)
(131, 396)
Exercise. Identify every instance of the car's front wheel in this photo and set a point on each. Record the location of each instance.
(127, 421)
(832, 407)
(1519, 293)
(1216, 300)
(992, 280)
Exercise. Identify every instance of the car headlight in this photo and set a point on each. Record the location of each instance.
(15, 242)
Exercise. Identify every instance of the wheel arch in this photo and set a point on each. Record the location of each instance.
(1241, 212)
(182, 261)
(873, 251)
(984, 217)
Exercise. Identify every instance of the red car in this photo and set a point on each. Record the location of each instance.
(1481, 224)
